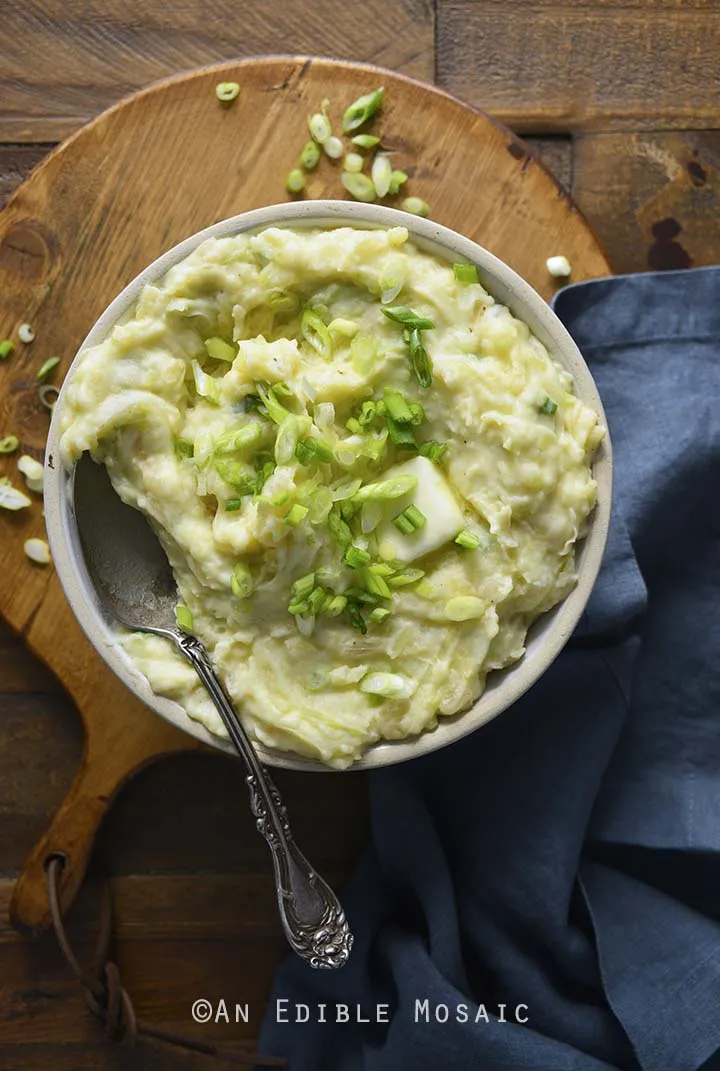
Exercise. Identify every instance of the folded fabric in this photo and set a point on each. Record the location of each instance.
(543, 895)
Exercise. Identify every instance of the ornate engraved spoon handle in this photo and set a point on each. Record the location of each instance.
(311, 914)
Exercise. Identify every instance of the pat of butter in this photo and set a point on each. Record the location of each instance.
(435, 499)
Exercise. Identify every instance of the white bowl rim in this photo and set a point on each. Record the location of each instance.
(549, 633)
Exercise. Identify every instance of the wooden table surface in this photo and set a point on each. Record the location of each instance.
(621, 98)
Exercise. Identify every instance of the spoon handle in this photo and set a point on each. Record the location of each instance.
(311, 914)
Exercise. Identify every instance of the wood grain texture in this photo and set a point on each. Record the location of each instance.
(73, 58)
(572, 66)
(653, 198)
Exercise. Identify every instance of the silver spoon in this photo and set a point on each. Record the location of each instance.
(134, 583)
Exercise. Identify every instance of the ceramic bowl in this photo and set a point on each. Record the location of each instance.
(548, 634)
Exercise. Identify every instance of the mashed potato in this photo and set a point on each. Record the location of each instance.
(368, 476)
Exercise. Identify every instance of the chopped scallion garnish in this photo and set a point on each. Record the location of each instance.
(419, 359)
(379, 614)
(295, 181)
(339, 528)
(277, 413)
(466, 273)
(183, 617)
(238, 440)
(394, 487)
(336, 606)
(315, 332)
(400, 434)
(548, 406)
(237, 475)
(408, 576)
(241, 581)
(468, 539)
(296, 515)
(9, 444)
(220, 350)
(397, 407)
(313, 450)
(356, 618)
(361, 110)
(184, 448)
(354, 425)
(365, 141)
(409, 520)
(401, 314)
(355, 557)
(376, 585)
(46, 368)
(233, 505)
(303, 586)
(310, 156)
(227, 92)
(366, 414)
(205, 385)
(317, 600)
(433, 449)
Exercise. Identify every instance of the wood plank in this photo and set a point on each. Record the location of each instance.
(653, 199)
(556, 154)
(40, 999)
(71, 59)
(567, 66)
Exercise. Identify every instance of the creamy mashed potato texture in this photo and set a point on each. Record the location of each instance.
(369, 478)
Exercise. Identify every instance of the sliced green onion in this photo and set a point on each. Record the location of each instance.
(184, 448)
(6, 348)
(366, 414)
(397, 179)
(353, 162)
(375, 584)
(408, 576)
(366, 141)
(466, 273)
(283, 301)
(227, 91)
(433, 449)
(390, 685)
(359, 186)
(409, 520)
(362, 596)
(339, 528)
(317, 601)
(277, 413)
(205, 385)
(401, 435)
(345, 487)
(315, 332)
(354, 425)
(379, 614)
(319, 127)
(419, 360)
(290, 432)
(355, 557)
(220, 350)
(401, 314)
(363, 352)
(336, 606)
(295, 181)
(9, 444)
(548, 406)
(303, 586)
(233, 505)
(397, 407)
(395, 487)
(418, 413)
(310, 156)
(361, 110)
(381, 174)
(381, 569)
(48, 395)
(348, 508)
(356, 618)
(295, 515)
(333, 148)
(37, 551)
(392, 279)
(246, 436)
(26, 333)
(344, 328)
(416, 206)
(241, 581)
(314, 450)
(298, 608)
(237, 475)
(468, 539)
(46, 368)
(183, 617)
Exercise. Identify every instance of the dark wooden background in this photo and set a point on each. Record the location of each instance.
(621, 98)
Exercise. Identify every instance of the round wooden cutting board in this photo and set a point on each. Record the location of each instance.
(149, 172)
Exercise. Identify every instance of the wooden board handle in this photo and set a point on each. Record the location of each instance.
(72, 835)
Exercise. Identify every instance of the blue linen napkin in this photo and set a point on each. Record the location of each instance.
(564, 861)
